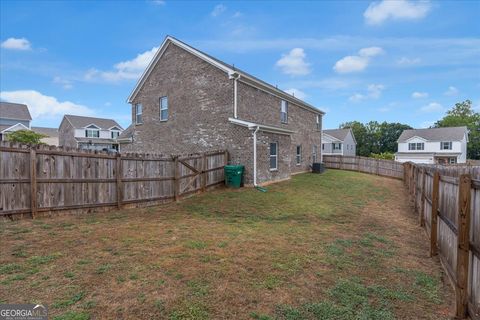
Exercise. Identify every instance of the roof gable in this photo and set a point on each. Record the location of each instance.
(230, 70)
(80, 122)
(339, 134)
(14, 111)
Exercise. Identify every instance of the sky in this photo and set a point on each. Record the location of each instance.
(396, 61)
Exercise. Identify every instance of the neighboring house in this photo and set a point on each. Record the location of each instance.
(187, 101)
(13, 117)
(88, 132)
(339, 142)
(50, 133)
(436, 145)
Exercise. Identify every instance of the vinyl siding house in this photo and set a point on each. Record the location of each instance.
(187, 101)
(433, 146)
(13, 117)
(339, 142)
(89, 133)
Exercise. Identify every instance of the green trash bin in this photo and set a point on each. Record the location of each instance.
(233, 176)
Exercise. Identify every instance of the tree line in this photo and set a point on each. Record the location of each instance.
(375, 139)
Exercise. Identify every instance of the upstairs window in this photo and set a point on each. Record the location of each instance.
(299, 155)
(138, 113)
(416, 146)
(323, 146)
(273, 156)
(163, 109)
(337, 146)
(115, 134)
(92, 132)
(284, 111)
(318, 123)
(446, 145)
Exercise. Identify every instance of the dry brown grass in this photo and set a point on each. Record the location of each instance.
(340, 245)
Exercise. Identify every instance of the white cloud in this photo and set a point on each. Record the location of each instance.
(432, 107)
(374, 91)
(419, 95)
(379, 12)
(405, 62)
(16, 44)
(218, 10)
(125, 70)
(42, 106)
(294, 63)
(451, 91)
(237, 14)
(66, 84)
(297, 93)
(357, 63)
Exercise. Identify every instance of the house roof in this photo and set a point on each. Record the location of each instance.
(81, 122)
(229, 69)
(49, 132)
(339, 134)
(15, 111)
(127, 133)
(435, 134)
(14, 127)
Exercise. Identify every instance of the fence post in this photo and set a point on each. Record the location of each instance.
(204, 173)
(119, 175)
(422, 203)
(33, 181)
(461, 289)
(176, 181)
(434, 215)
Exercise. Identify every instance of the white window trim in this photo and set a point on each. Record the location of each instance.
(161, 109)
(138, 114)
(450, 145)
(318, 122)
(282, 104)
(298, 156)
(92, 130)
(117, 132)
(276, 156)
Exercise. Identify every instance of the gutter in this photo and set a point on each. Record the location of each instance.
(255, 156)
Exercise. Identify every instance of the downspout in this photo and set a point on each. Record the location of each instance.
(235, 97)
(255, 156)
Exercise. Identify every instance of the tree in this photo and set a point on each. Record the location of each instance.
(462, 114)
(25, 136)
(374, 137)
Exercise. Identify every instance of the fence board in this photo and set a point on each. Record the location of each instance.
(387, 168)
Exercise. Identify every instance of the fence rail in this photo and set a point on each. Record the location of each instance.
(386, 168)
(69, 179)
(447, 201)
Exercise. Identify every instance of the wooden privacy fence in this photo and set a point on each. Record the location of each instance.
(447, 200)
(386, 168)
(45, 179)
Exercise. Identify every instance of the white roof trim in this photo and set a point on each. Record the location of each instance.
(417, 137)
(118, 127)
(15, 125)
(249, 80)
(91, 124)
(261, 127)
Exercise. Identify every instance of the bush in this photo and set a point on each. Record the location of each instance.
(383, 155)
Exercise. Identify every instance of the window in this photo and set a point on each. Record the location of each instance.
(337, 146)
(314, 154)
(92, 132)
(323, 146)
(273, 156)
(298, 157)
(447, 145)
(319, 125)
(138, 113)
(284, 111)
(452, 160)
(416, 146)
(163, 109)
(115, 134)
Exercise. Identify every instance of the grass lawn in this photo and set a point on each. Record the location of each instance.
(341, 245)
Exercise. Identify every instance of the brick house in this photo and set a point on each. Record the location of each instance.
(187, 101)
(88, 132)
